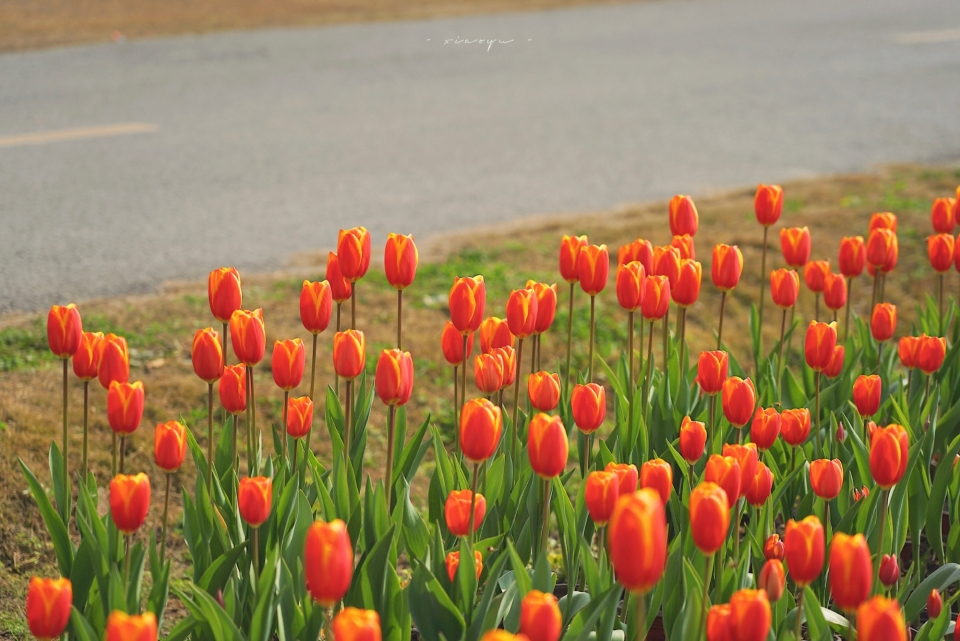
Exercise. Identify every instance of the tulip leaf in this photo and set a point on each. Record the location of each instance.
(60, 481)
(434, 614)
(583, 624)
(80, 627)
(480, 612)
(520, 573)
(268, 590)
(219, 571)
(415, 534)
(938, 494)
(51, 518)
(940, 579)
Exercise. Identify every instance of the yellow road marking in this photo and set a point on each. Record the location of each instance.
(80, 133)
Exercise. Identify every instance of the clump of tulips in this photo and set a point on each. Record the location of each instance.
(718, 496)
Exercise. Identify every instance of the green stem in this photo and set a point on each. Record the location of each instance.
(313, 376)
(723, 304)
(256, 554)
(353, 305)
(640, 351)
(545, 524)
(66, 443)
(283, 424)
(641, 617)
(666, 341)
(86, 411)
(566, 376)
(252, 401)
(126, 562)
(817, 407)
(249, 423)
(348, 418)
(706, 589)
(783, 331)
(166, 506)
(123, 451)
(399, 319)
(846, 322)
(763, 280)
(940, 300)
(736, 531)
(712, 408)
(456, 401)
(516, 402)
(336, 376)
(210, 441)
(646, 380)
(717, 575)
(631, 392)
(593, 300)
(473, 504)
(884, 497)
(683, 341)
(816, 307)
(391, 429)
(799, 612)
(234, 458)
(223, 344)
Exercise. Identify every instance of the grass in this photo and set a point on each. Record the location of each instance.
(160, 327)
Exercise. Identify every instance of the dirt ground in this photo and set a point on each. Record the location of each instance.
(160, 328)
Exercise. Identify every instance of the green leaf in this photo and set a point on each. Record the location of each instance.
(219, 571)
(51, 518)
(939, 579)
(938, 493)
(81, 628)
(434, 614)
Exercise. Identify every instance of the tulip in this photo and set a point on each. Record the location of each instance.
(772, 579)
(498, 634)
(883, 220)
(853, 255)
(48, 606)
(453, 563)
(593, 266)
(767, 204)
(467, 300)
(207, 355)
(758, 491)
(340, 287)
(394, 377)
(638, 540)
(941, 215)
(773, 548)
(254, 498)
(480, 428)
(726, 267)
(522, 312)
(508, 363)
(129, 501)
(841, 434)
(851, 572)
(750, 615)
(546, 305)
(835, 367)
(909, 351)
(666, 262)
(835, 292)
(815, 273)
(547, 445)
(765, 428)
(488, 373)
(131, 627)
(543, 388)
(451, 343)
(803, 549)
(795, 425)
(881, 619)
(795, 244)
(940, 252)
(86, 360)
(932, 351)
(725, 472)
(247, 336)
(882, 249)
(683, 216)
(709, 517)
(934, 604)
(600, 494)
(570, 247)
(114, 360)
(299, 417)
(224, 293)
(889, 451)
(826, 478)
(889, 570)
(456, 512)
(125, 407)
(748, 458)
(712, 371)
(316, 303)
(687, 290)
(883, 321)
(627, 477)
(589, 405)
(233, 389)
(354, 624)
(718, 623)
(353, 250)
(630, 278)
(400, 258)
(738, 399)
(657, 474)
(494, 332)
(656, 297)
(169, 445)
(639, 250)
(693, 438)
(784, 288)
(288, 363)
(327, 561)
(64, 330)
(685, 246)
(349, 353)
(819, 344)
(540, 618)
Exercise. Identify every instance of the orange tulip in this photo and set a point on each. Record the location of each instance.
(685, 246)
(125, 407)
(247, 336)
(712, 371)
(638, 540)
(784, 288)
(131, 627)
(656, 297)
(169, 445)
(546, 305)
(488, 373)
(299, 416)
(747, 457)
(835, 291)
(883, 220)
(803, 549)
(254, 498)
(48, 606)
(540, 618)
(522, 312)
(767, 204)
(600, 494)
(765, 428)
(627, 476)
(853, 256)
(327, 561)
(940, 252)
(453, 563)
(353, 250)
(224, 293)
(451, 342)
(394, 377)
(709, 517)
(726, 267)
(881, 619)
(630, 278)
(826, 478)
(738, 398)
(349, 353)
(909, 351)
(501, 635)
(683, 216)
(456, 512)
(666, 262)
(114, 360)
(129, 501)
(547, 445)
(718, 623)
(233, 388)
(835, 367)
(750, 615)
(316, 303)
(657, 474)
(340, 287)
(400, 258)
(593, 266)
(773, 547)
(725, 472)
(86, 360)
(508, 362)
(467, 300)
(772, 579)
(589, 405)
(759, 488)
(795, 244)
(354, 624)
(494, 332)
(543, 388)
(481, 425)
(570, 247)
(64, 329)
(932, 351)
(889, 451)
(882, 249)
(639, 250)
(819, 344)
(815, 274)
(687, 290)
(693, 438)
(866, 394)
(287, 363)
(851, 571)
(883, 321)
(795, 425)
(207, 355)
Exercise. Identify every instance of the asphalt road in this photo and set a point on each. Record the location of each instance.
(255, 146)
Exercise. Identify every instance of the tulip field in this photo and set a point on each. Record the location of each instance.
(730, 419)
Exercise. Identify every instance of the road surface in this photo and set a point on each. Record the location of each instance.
(124, 165)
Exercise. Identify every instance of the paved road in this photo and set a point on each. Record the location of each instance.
(267, 142)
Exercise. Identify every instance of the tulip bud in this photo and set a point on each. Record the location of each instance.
(719, 627)
(881, 619)
(934, 604)
(882, 249)
(683, 216)
(546, 305)
(467, 300)
(299, 416)
(394, 377)
(932, 351)
(815, 275)
(758, 490)
(547, 445)
(233, 388)
(693, 438)
(453, 564)
(639, 250)
(750, 615)
(685, 246)
(114, 360)
(784, 288)
(889, 451)
(125, 407)
(169, 445)
(883, 322)
(224, 293)
(543, 388)
(941, 215)
(657, 474)
(64, 330)
(456, 512)
(889, 570)
(494, 332)
(630, 278)
(247, 336)
(638, 540)
(656, 297)
(354, 624)
(340, 287)
(540, 618)
(795, 244)
(400, 258)
(132, 627)
(327, 561)
(593, 266)
(909, 351)
(481, 424)
(803, 549)
(772, 579)
(820, 342)
(570, 247)
(349, 353)
(826, 478)
(725, 472)
(738, 399)
(709, 517)
(768, 203)
(589, 405)
(600, 494)
(666, 262)
(687, 290)
(508, 363)
(451, 342)
(316, 303)
(773, 548)
(254, 498)
(841, 434)
(627, 477)
(765, 428)
(129, 501)
(48, 606)
(866, 394)
(795, 425)
(727, 266)
(853, 256)
(353, 250)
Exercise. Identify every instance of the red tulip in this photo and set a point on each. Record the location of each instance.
(467, 299)
(593, 267)
(656, 297)
(639, 250)
(64, 329)
(718, 623)
(784, 288)
(889, 452)
(48, 606)
(826, 478)
(453, 564)
(709, 517)
(254, 499)
(773, 547)
(666, 262)
(889, 570)
(570, 247)
(129, 501)
(481, 425)
(353, 250)
(835, 367)
(803, 549)
(394, 377)
(600, 495)
(86, 360)
(316, 302)
(819, 344)
(133, 627)
(288, 363)
(795, 425)
(772, 579)
(693, 437)
(589, 405)
(247, 336)
(866, 394)
(657, 474)
(224, 293)
(233, 388)
(835, 291)
(881, 619)
(853, 256)
(169, 445)
(940, 252)
(456, 512)
(340, 287)
(630, 278)
(934, 604)
(883, 321)
(883, 220)
(909, 350)
(932, 351)
(747, 457)
(540, 618)
(349, 353)
(738, 399)
(299, 416)
(327, 561)
(125, 407)
(508, 362)
(726, 267)
(543, 388)
(750, 615)
(851, 571)
(712, 371)
(114, 360)
(354, 624)
(494, 332)
(627, 476)
(725, 472)
(815, 274)
(758, 490)
(451, 342)
(546, 305)
(687, 290)
(685, 246)
(547, 445)
(941, 215)
(638, 540)
(522, 312)
(683, 216)
(400, 258)
(765, 428)
(795, 244)
(882, 249)
(768, 203)
(488, 373)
